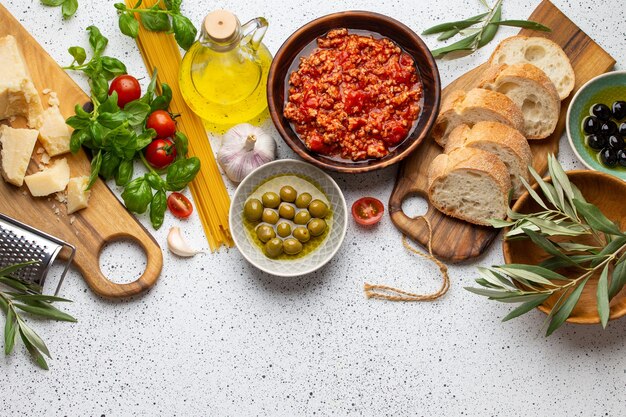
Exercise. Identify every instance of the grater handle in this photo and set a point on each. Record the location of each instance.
(103, 286)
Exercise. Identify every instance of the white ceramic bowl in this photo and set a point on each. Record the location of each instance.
(311, 261)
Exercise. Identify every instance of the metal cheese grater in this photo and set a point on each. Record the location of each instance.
(22, 243)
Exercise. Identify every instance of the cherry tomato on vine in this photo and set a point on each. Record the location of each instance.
(367, 211)
(160, 153)
(127, 88)
(179, 205)
(162, 122)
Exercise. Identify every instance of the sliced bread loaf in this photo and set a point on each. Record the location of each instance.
(475, 106)
(532, 91)
(541, 52)
(469, 184)
(501, 140)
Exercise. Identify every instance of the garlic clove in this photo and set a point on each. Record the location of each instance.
(177, 244)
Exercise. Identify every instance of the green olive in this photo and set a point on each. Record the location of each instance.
(288, 194)
(292, 246)
(286, 211)
(302, 217)
(270, 216)
(274, 247)
(253, 210)
(265, 233)
(318, 209)
(303, 200)
(270, 200)
(302, 234)
(316, 227)
(283, 229)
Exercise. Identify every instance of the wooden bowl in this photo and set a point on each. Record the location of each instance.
(286, 61)
(608, 194)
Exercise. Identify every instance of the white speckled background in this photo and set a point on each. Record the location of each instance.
(215, 337)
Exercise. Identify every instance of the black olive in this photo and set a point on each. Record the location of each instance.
(88, 107)
(596, 142)
(591, 125)
(615, 142)
(621, 157)
(608, 128)
(619, 110)
(601, 111)
(608, 157)
(622, 129)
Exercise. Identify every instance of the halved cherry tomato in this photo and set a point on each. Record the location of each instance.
(179, 205)
(160, 153)
(162, 123)
(367, 211)
(127, 88)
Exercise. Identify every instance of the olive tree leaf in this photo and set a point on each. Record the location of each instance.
(596, 219)
(526, 307)
(32, 337)
(602, 296)
(618, 279)
(10, 331)
(566, 308)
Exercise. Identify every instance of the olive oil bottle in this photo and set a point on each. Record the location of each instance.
(223, 76)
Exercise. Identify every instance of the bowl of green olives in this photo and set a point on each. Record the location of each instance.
(596, 123)
(288, 218)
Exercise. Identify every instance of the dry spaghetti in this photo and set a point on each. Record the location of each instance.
(159, 50)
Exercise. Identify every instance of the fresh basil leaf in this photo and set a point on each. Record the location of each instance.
(184, 31)
(112, 120)
(145, 138)
(76, 122)
(120, 6)
(110, 104)
(69, 8)
(78, 53)
(96, 162)
(99, 87)
(155, 21)
(110, 163)
(566, 308)
(149, 95)
(602, 296)
(137, 195)
(96, 133)
(53, 3)
(124, 172)
(77, 139)
(182, 144)
(526, 307)
(129, 26)
(97, 41)
(155, 180)
(596, 219)
(121, 141)
(112, 66)
(157, 209)
(136, 112)
(162, 102)
(181, 172)
(173, 5)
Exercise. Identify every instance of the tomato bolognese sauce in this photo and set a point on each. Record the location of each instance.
(354, 96)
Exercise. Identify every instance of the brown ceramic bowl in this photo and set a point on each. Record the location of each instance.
(607, 193)
(286, 61)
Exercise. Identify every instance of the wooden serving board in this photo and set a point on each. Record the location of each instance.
(106, 219)
(455, 240)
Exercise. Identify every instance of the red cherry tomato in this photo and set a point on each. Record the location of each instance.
(179, 205)
(367, 211)
(162, 122)
(160, 153)
(127, 88)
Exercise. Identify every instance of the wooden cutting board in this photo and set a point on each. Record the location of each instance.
(105, 219)
(455, 240)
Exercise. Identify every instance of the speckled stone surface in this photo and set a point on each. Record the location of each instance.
(215, 337)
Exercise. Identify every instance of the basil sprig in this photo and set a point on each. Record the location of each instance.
(564, 216)
(117, 136)
(157, 19)
(68, 7)
(478, 30)
(17, 297)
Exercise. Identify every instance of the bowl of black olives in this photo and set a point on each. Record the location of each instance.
(288, 218)
(596, 123)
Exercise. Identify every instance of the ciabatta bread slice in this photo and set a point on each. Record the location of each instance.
(469, 184)
(472, 107)
(501, 140)
(541, 52)
(532, 91)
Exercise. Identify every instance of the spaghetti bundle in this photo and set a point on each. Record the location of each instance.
(160, 50)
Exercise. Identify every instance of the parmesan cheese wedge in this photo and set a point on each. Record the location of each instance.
(77, 194)
(50, 180)
(18, 96)
(54, 134)
(17, 146)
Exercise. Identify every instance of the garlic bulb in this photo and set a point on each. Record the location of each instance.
(245, 148)
(177, 245)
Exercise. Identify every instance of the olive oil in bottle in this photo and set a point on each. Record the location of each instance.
(223, 76)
